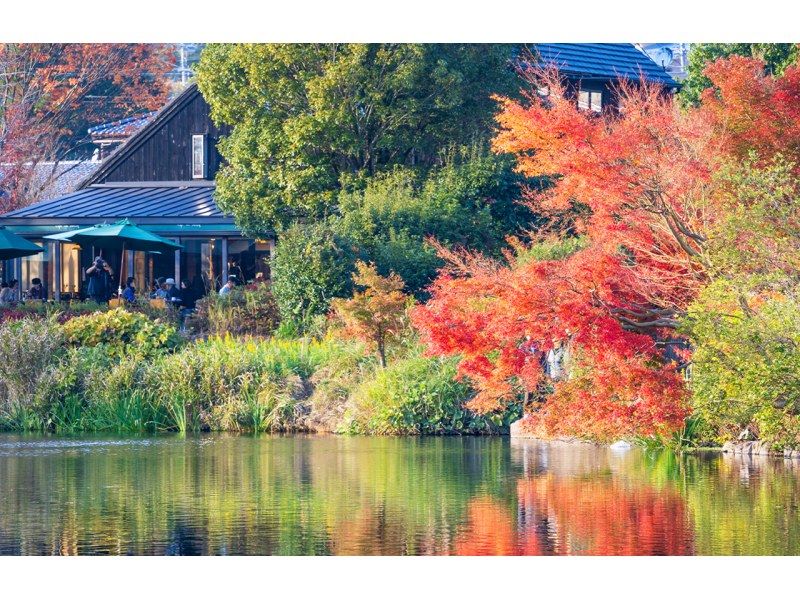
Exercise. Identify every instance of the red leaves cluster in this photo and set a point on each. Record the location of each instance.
(640, 183)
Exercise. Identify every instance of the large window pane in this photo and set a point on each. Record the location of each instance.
(248, 260)
(34, 266)
(71, 270)
(201, 263)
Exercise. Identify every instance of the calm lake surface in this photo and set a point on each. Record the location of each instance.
(322, 495)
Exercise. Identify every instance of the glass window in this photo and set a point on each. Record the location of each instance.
(248, 259)
(583, 100)
(35, 266)
(71, 271)
(201, 263)
(198, 156)
(590, 100)
(596, 101)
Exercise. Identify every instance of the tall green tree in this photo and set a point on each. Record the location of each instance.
(311, 120)
(776, 57)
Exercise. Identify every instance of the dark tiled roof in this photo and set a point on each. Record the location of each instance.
(602, 61)
(121, 128)
(127, 201)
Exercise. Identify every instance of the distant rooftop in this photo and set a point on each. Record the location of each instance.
(122, 128)
(54, 179)
(602, 61)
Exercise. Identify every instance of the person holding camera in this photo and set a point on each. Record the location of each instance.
(99, 275)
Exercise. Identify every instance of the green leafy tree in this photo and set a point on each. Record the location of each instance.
(313, 119)
(472, 201)
(776, 57)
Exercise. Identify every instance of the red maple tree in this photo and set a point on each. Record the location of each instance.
(51, 93)
(639, 185)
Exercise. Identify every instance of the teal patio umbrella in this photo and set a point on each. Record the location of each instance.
(121, 235)
(13, 246)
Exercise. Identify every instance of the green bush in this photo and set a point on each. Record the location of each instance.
(121, 332)
(416, 395)
(746, 366)
(312, 265)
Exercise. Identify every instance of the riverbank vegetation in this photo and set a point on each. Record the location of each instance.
(120, 371)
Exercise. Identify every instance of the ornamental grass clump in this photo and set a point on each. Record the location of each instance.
(230, 384)
(29, 348)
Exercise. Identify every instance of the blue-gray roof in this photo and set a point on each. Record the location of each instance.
(122, 128)
(127, 201)
(602, 61)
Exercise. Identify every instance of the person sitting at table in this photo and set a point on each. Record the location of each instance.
(173, 293)
(129, 294)
(36, 292)
(228, 286)
(6, 295)
(160, 291)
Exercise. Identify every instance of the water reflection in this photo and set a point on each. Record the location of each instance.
(298, 495)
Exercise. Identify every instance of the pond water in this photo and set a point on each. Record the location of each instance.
(321, 495)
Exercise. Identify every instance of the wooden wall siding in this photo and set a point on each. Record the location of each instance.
(167, 154)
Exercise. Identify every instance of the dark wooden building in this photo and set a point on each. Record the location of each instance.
(162, 179)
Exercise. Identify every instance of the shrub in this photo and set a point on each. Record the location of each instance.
(28, 349)
(312, 265)
(249, 310)
(163, 313)
(417, 395)
(60, 311)
(746, 365)
(120, 332)
(377, 315)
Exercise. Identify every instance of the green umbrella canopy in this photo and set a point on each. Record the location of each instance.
(120, 235)
(12, 245)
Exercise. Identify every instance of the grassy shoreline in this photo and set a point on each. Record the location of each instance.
(230, 384)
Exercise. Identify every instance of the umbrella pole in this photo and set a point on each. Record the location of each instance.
(121, 266)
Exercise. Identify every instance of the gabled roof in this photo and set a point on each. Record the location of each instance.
(137, 139)
(602, 61)
(128, 200)
(122, 128)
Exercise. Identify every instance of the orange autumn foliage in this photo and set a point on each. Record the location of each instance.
(639, 185)
(375, 315)
(51, 93)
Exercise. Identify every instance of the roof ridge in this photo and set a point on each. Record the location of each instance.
(142, 135)
(121, 121)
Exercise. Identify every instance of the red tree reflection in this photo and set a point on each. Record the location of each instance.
(578, 516)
